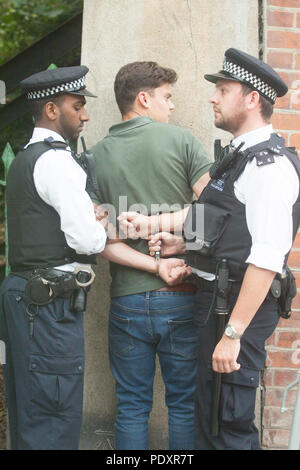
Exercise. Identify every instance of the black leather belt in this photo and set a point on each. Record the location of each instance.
(209, 286)
(184, 287)
(54, 273)
(45, 284)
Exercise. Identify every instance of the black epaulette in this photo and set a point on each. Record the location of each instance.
(265, 152)
(56, 144)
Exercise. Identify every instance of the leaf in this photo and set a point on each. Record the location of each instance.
(55, 13)
(52, 66)
(7, 157)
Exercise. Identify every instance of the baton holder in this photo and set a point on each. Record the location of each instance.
(221, 312)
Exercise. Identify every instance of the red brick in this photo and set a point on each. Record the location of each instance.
(283, 60)
(295, 99)
(285, 3)
(297, 277)
(284, 102)
(292, 79)
(297, 61)
(292, 322)
(280, 18)
(275, 438)
(283, 347)
(283, 377)
(283, 39)
(288, 339)
(296, 243)
(274, 397)
(273, 418)
(282, 358)
(294, 258)
(295, 94)
(268, 376)
(296, 301)
(286, 121)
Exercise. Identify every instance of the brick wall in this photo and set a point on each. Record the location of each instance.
(282, 51)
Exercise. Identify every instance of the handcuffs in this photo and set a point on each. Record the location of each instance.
(44, 285)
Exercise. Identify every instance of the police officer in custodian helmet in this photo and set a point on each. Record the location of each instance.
(251, 211)
(53, 237)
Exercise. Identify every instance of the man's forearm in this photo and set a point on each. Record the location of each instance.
(255, 286)
(172, 221)
(254, 289)
(120, 253)
(172, 270)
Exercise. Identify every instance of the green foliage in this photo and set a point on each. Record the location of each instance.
(22, 22)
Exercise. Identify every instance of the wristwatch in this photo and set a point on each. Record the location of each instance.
(231, 332)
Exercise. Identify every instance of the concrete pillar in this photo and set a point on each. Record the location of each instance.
(191, 37)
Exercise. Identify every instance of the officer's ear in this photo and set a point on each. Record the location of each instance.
(51, 110)
(253, 99)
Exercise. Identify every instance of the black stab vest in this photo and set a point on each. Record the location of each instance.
(225, 234)
(35, 238)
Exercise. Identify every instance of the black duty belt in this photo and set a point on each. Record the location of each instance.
(209, 286)
(45, 284)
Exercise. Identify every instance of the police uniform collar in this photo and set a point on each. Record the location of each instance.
(54, 82)
(242, 67)
(253, 137)
(41, 133)
(274, 145)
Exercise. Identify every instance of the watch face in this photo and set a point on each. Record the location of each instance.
(228, 331)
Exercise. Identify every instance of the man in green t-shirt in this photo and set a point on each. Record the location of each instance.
(148, 165)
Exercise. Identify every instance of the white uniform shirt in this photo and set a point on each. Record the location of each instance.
(268, 193)
(61, 182)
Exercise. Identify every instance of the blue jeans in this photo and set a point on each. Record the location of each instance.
(142, 325)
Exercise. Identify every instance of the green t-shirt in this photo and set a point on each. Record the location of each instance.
(142, 165)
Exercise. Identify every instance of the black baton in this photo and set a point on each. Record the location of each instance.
(221, 310)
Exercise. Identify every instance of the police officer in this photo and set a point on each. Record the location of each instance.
(256, 196)
(251, 210)
(53, 237)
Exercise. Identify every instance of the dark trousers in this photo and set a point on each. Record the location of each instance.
(238, 390)
(43, 371)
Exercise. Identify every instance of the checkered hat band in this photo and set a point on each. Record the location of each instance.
(75, 85)
(249, 77)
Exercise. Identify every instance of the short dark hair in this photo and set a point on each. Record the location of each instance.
(37, 106)
(137, 76)
(266, 108)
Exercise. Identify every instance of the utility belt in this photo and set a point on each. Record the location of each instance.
(203, 285)
(283, 289)
(46, 284)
